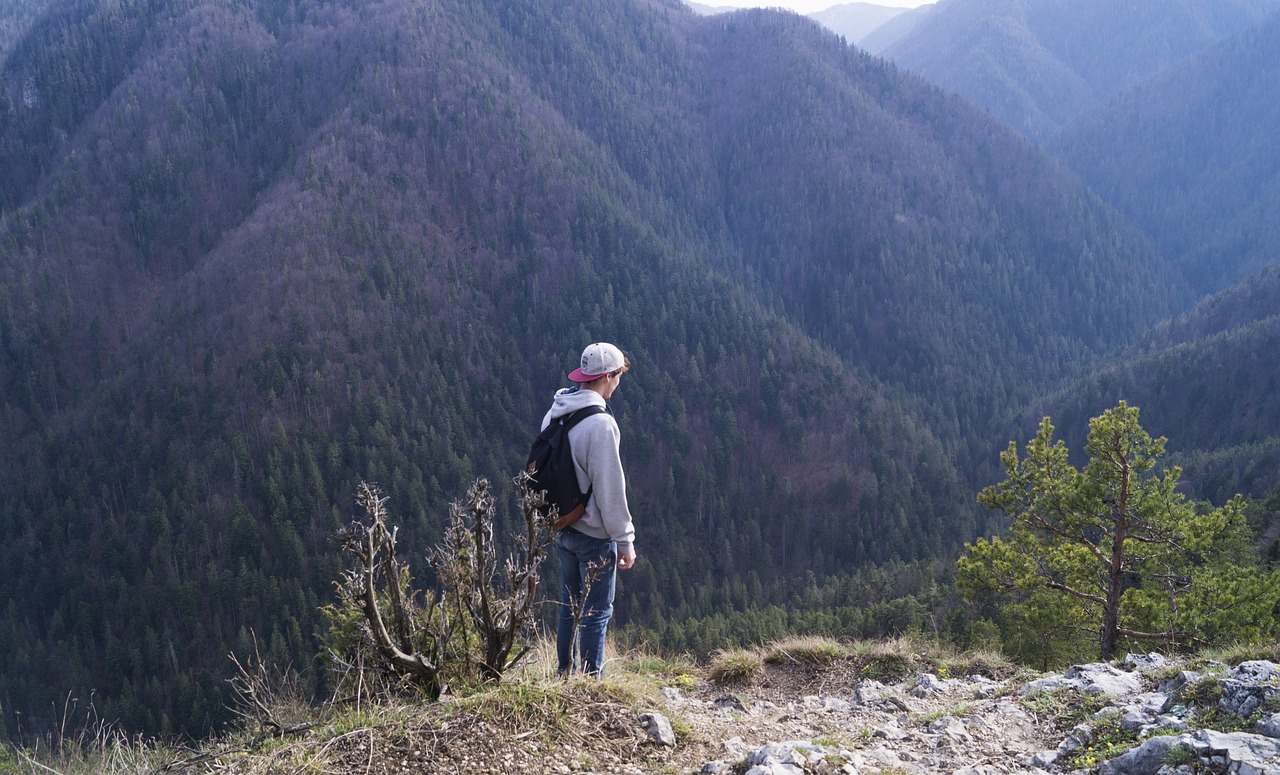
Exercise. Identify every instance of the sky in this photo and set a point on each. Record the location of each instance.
(808, 6)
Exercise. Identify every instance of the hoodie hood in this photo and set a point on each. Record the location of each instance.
(571, 399)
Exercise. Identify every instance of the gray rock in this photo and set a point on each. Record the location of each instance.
(1081, 736)
(895, 703)
(1250, 685)
(985, 691)
(1257, 670)
(1045, 759)
(658, 727)
(868, 691)
(789, 758)
(824, 704)
(1238, 754)
(775, 769)
(1245, 754)
(731, 702)
(1133, 719)
(1146, 759)
(1269, 725)
(716, 768)
(891, 731)
(950, 727)
(926, 685)
(1150, 661)
(1051, 683)
(1173, 686)
(735, 748)
(1170, 722)
(1100, 678)
(1153, 703)
(1243, 697)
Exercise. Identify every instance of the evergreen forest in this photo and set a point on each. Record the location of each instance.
(255, 253)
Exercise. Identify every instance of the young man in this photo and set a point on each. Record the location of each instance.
(603, 540)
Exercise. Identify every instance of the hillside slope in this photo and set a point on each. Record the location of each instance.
(1191, 157)
(855, 21)
(1209, 380)
(15, 17)
(1037, 65)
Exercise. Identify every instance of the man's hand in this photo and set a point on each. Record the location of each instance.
(626, 559)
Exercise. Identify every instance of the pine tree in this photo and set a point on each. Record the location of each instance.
(1116, 537)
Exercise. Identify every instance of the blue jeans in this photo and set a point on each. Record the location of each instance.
(577, 552)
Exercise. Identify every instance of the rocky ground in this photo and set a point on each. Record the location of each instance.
(815, 712)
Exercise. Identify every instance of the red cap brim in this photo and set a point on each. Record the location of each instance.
(577, 376)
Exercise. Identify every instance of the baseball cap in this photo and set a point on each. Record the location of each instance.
(598, 359)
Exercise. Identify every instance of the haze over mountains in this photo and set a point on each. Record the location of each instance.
(253, 254)
(1184, 146)
(1205, 129)
(854, 21)
(1038, 65)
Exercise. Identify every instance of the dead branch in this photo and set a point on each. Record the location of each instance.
(466, 563)
(379, 580)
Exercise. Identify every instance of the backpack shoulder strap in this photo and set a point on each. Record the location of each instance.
(570, 420)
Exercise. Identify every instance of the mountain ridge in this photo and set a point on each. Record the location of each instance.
(1216, 109)
(1037, 66)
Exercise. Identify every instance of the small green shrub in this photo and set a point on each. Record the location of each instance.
(887, 667)
(1109, 741)
(1248, 652)
(991, 664)
(8, 760)
(1178, 755)
(1064, 707)
(1205, 693)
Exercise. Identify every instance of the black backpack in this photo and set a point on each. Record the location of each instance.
(551, 469)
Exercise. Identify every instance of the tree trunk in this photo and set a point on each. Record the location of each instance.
(1110, 626)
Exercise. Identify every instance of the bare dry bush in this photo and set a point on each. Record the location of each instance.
(399, 633)
(267, 701)
(476, 623)
(499, 607)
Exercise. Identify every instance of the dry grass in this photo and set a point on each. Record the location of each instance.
(1234, 655)
(732, 667)
(110, 753)
(533, 717)
(811, 649)
(84, 744)
(991, 664)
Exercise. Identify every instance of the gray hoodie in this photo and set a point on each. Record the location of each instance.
(595, 457)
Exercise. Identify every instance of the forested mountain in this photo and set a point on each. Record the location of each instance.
(852, 20)
(710, 10)
(15, 17)
(1036, 64)
(855, 20)
(1209, 380)
(252, 254)
(891, 31)
(1192, 157)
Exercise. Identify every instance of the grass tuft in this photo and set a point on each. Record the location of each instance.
(731, 667)
(811, 649)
